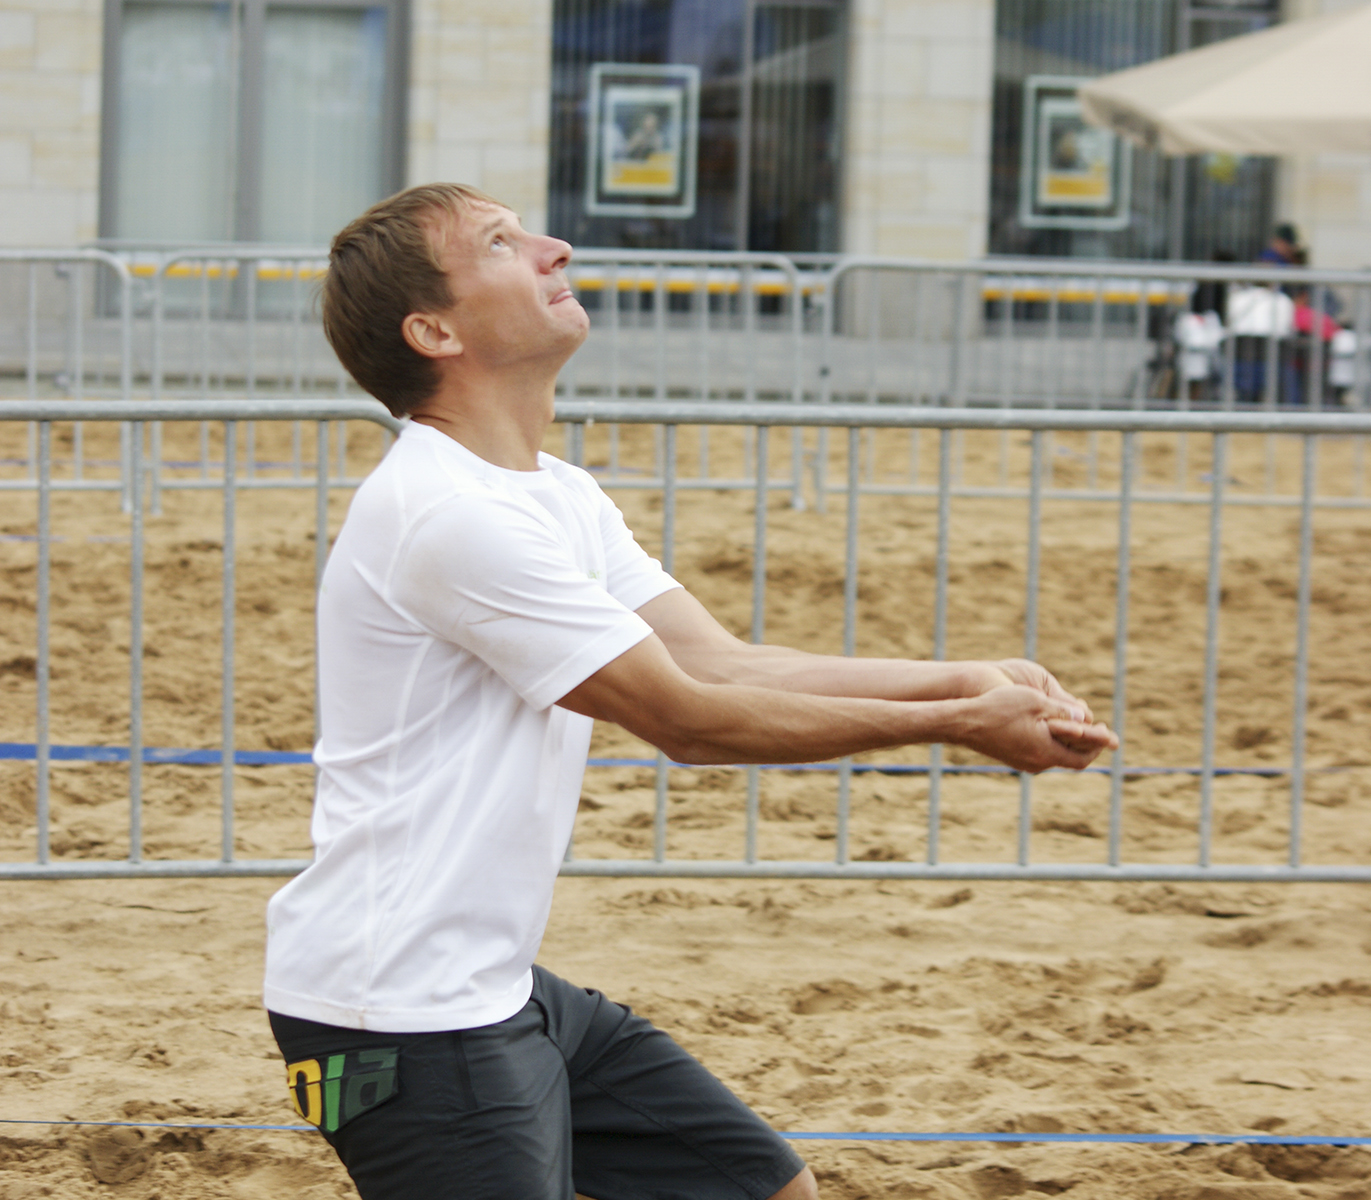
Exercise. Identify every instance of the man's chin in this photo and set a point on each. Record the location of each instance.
(578, 322)
(570, 338)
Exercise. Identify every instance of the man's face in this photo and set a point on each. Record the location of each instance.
(511, 299)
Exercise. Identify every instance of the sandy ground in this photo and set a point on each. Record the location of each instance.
(829, 1006)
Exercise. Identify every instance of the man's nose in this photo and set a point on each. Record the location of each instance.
(554, 254)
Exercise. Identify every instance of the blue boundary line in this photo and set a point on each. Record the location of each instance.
(1192, 1139)
(28, 751)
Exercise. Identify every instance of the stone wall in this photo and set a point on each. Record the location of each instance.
(49, 121)
(479, 97)
(917, 174)
(918, 124)
(478, 100)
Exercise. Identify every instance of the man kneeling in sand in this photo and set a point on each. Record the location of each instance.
(484, 602)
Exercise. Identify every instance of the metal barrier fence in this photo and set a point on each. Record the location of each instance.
(761, 419)
(52, 346)
(1028, 332)
(1098, 335)
(206, 322)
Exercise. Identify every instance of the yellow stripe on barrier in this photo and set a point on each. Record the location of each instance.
(715, 287)
(1029, 294)
(1042, 295)
(218, 271)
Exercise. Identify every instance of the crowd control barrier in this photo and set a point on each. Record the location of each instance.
(846, 424)
(1025, 333)
(203, 322)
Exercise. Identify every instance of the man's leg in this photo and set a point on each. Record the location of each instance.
(803, 1187)
(648, 1120)
(475, 1114)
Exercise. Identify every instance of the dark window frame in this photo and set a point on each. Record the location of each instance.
(586, 32)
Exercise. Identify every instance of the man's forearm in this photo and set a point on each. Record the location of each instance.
(732, 723)
(707, 652)
(646, 691)
(788, 670)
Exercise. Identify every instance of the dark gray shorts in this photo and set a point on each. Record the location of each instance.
(573, 1093)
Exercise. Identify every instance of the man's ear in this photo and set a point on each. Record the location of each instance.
(430, 335)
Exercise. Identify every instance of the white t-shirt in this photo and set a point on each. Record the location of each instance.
(460, 602)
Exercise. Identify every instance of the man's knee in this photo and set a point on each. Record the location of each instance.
(802, 1187)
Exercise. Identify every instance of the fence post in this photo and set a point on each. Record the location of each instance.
(43, 665)
(1219, 468)
(1119, 716)
(1298, 734)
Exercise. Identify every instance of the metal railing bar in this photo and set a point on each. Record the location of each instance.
(1219, 470)
(78, 370)
(1140, 396)
(935, 751)
(1314, 365)
(1097, 269)
(797, 389)
(1030, 622)
(890, 416)
(203, 348)
(760, 494)
(1083, 496)
(828, 869)
(136, 646)
(700, 299)
(765, 869)
(31, 364)
(250, 329)
(321, 489)
(43, 664)
(1362, 330)
(1119, 716)
(1059, 365)
(296, 368)
(1300, 732)
(228, 408)
(649, 483)
(1228, 380)
(841, 848)
(662, 778)
(228, 614)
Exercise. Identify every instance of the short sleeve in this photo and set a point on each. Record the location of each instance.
(632, 576)
(487, 575)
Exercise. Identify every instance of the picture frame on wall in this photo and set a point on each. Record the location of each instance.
(642, 140)
(1073, 175)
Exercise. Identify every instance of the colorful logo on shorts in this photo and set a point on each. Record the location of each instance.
(331, 1090)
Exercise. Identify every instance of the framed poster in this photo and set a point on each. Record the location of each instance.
(1073, 175)
(642, 140)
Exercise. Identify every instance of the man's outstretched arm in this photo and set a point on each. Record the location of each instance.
(706, 651)
(649, 694)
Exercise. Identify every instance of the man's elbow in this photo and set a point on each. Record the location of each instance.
(681, 744)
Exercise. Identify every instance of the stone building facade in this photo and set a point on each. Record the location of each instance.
(917, 118)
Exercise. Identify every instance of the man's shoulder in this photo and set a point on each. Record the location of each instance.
(413, 482)
(419, 469)
(575, 478)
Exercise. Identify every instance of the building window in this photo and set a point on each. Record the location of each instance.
(1142, 205)
(773, 70)
(249, 120)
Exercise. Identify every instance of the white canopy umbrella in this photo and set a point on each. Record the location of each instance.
(1299, 88)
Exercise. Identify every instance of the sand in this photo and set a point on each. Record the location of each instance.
(839, 1006)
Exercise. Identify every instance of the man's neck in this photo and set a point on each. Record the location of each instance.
(500, 423)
